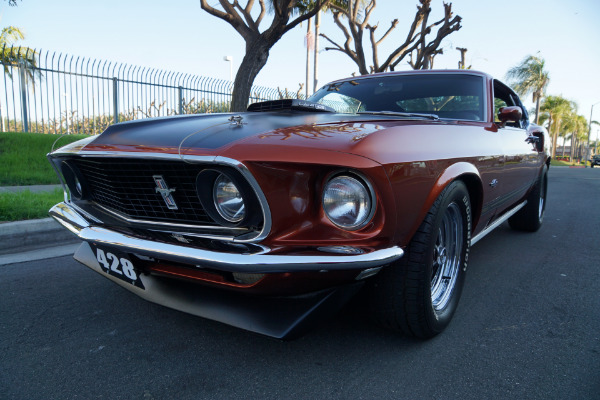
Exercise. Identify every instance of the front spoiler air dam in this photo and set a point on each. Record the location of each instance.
(254, 263)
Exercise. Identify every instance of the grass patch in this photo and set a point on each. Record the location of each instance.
(28, 205)
(23, 157)
(559, 163)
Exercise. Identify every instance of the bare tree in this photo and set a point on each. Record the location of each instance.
(416, 46)
(258, 44)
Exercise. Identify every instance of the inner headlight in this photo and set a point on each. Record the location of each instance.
(228, 199)
(347, 202)
(72, 179)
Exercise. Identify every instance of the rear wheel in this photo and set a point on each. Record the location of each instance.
(530, 217)
(419, 293)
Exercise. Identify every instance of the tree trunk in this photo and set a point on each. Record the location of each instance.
(553, 135)
(537, 108)
(255, 59)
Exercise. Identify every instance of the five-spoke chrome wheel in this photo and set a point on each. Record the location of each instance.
(446, 257)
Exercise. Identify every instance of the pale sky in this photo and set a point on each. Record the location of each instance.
(180, 36)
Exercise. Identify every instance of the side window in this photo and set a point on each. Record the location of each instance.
(504, 97)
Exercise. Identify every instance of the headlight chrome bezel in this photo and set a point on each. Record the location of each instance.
(360, 181)
(205, 188)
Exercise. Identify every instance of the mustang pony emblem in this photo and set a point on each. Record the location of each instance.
(163, 189)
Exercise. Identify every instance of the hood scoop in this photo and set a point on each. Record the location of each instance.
(289, 104)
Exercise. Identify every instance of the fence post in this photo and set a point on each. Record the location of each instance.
(116, 99)
(23, 96)
(180, 97)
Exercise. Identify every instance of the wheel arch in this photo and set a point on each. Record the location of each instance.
(468, 174)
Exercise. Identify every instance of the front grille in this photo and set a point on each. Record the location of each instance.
(128, 187)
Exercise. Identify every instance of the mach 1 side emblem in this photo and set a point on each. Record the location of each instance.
(163, 189)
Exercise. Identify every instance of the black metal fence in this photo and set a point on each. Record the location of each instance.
(62, 93)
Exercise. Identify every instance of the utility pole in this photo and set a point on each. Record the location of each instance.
(463, 52)
(316, 70)
(587, 150)
(308, 45)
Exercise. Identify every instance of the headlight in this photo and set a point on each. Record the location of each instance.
(78, 187)
(228, 199)
(347, 202)
(73, 180)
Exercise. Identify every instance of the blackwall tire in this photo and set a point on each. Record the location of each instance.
(419, 293)
(531, 217)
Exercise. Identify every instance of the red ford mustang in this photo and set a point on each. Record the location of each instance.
(272, 219)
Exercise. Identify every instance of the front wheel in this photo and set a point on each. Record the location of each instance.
(419, 293)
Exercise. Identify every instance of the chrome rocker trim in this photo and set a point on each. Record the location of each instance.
(497, 223)
(254, 263)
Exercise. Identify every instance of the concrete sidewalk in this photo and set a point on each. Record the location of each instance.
(31, 188)
(34, 239)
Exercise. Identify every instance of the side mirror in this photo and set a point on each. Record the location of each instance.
(509, 114)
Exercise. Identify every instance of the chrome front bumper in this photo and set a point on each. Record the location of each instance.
(264, 262)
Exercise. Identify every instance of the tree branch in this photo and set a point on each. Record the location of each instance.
(368, 10)
(245, 12)
(316, 8)
(412, 36)
(390, 29)
(374, 44)
(214, 12)
(346, 49)
(262, 13)
(230, 16)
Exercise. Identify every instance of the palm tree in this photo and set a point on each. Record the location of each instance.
(577, 126)
(530, 77)
(9, 55)
(580, 129)
(554, 109)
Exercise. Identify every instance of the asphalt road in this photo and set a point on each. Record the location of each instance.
(528, 327)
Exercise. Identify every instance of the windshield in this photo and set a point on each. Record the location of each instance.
(452, 96)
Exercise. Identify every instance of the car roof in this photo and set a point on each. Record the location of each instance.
(420, 72)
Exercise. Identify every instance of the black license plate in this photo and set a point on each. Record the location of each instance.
(117, 264)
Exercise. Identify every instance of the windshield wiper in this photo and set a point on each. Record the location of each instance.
(400, 114)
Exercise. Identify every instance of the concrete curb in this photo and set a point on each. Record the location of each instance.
(35, 234)
(39, 254)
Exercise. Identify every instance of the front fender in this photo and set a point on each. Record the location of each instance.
(418, 191)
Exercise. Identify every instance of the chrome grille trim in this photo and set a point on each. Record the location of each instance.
(167, 224)
(214, 160)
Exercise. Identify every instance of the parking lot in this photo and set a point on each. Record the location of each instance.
(527, 327)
